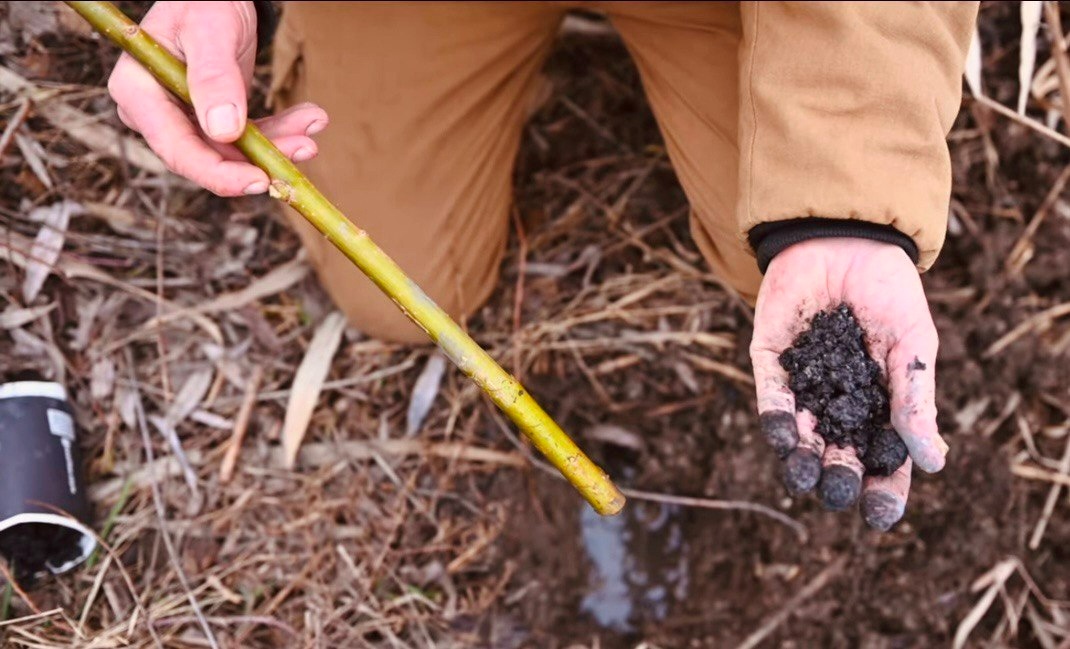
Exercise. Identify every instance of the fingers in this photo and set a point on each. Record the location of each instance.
(802, 466)
(303, 119)
(912, 379)
(776, 403)
(884, 499)
(841, 478)
(147, 108)
(181, 148)
(216, 39)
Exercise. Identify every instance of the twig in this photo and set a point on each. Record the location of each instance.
(708, 503)
(518, 301)
(312, 456)
(161, 513)
(13, 124)
(1036, 473)
(82, 127)
(29, 618)
(1062, 64)
(602, 131)
(809, 590)
(1018, 257)
(17, 588)
(684, 501)
(262, 620)
(1024, 121)
(14, 248)
(1037, 321)
(1053, 496)
(241, 424)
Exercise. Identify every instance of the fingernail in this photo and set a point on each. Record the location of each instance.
(881, 510)
(779, 428)
(316, 127)
(942, 445)
(259, 187)
(839, 487)
(222, 120)
(302, 154)
(802, 469)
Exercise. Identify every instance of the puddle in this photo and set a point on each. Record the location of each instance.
(639, 565)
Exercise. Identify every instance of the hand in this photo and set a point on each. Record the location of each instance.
(883, 288)
(217, 40)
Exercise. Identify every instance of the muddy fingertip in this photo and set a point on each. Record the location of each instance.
(881, 510)
(802, 470)
(780, 430)
(839, 487)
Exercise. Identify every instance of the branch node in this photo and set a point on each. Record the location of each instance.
(282, 190)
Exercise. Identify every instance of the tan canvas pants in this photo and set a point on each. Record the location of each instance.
(769, 111)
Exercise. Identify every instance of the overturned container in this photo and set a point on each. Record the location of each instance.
(44, 510)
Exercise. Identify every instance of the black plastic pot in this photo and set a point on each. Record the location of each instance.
(44, 510)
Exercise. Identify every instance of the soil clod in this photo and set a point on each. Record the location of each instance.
(833, 376)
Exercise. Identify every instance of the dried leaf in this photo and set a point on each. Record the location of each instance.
(15, 252)
(88, 309)
(14, 317)
(47, 245)
(1027, 53)
(126, 403)
(34, 19)
(102, 378)
(32, 153)
(278, 279)
(973, 65)
(122, 220)
(189, 396)
(87, 129)
(29, 345)
(424, 392)
(169, 433)
(308, 382)
(616, 435)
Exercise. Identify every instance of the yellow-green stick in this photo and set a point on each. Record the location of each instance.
(290, 185)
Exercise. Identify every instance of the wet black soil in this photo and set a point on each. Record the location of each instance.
(31, 547)
(833, 376)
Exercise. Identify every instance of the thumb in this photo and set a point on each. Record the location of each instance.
(218, 41)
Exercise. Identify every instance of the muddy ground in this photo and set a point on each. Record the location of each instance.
(608, 313)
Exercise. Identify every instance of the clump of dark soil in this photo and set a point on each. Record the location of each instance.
(31, 547)
(833, 376)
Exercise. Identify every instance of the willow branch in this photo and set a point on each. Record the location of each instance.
(289, 185)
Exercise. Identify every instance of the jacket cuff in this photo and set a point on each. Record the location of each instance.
(769, 239)
(267, 19)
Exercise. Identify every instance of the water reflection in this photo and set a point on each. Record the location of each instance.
(639, 565)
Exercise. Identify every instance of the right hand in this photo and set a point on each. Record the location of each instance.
(217, 40)
(883, 287)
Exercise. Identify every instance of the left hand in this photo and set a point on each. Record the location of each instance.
(882, 286)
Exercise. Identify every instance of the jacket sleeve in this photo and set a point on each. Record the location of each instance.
(845, 108)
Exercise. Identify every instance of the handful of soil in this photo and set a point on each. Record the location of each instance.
(833, 376)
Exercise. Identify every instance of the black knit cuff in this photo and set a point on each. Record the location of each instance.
(769, 239)
(267, 19)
